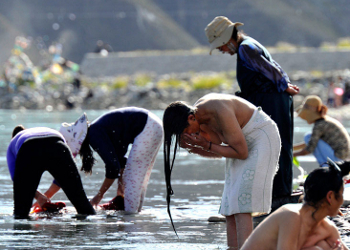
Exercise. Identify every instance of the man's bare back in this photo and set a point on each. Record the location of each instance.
(211, 105)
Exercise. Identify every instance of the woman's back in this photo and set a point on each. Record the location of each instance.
(266, 235)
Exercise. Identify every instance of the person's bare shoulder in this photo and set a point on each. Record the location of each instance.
(206, 101)
(330, 227)
(286, 219)
(215, 102)
(214, 97)
(288, 214)
(267, 234)
(292, 207)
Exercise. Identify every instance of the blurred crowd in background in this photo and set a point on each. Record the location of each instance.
(20, 70)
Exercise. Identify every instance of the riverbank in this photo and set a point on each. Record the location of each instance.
(147, 90)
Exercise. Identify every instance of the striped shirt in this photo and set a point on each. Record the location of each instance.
(334, 134)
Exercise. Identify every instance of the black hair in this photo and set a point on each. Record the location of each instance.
(174, 122)
(17, 129)
(320, 181)
(344, 167)
(237, 35)
(87, 155)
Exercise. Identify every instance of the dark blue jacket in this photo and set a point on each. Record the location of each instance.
(111, 134)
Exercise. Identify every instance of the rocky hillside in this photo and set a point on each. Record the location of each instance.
(128, 25)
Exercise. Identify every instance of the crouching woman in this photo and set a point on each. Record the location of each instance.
(305, 226)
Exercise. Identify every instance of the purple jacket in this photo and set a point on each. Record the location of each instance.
(23, 136)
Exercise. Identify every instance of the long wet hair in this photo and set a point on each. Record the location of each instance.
(174, 122)
(320, 181)
(87, 155)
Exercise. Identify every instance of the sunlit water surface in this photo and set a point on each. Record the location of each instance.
(197, 183)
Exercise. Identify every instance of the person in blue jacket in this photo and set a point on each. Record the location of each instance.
(264, 83)
(33, 151)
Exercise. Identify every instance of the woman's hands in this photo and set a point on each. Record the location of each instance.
(107, 183)
(194, 140)
(97, 199)
(197, 144)
(41, 199)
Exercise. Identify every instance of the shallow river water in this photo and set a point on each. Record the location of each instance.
(197, 184)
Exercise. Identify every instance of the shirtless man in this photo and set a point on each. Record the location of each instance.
(221, 125)
(305, 226)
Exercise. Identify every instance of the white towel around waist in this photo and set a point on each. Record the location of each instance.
(248, 183)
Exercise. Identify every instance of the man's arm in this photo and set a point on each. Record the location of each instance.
(232, 133)
(252, 56)
(236, 148)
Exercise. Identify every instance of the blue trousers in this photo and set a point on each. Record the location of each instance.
(322, 151)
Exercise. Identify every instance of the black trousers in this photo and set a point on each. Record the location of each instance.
(47, 154)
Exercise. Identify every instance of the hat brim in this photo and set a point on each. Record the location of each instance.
(75, 133)
(224, 38)
(300, 111)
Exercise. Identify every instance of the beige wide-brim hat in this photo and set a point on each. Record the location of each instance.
(219, 31)
(310, 109)
(75, 133)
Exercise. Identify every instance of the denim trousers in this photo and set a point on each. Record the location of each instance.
(322, 151)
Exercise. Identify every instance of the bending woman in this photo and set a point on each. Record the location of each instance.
(220, 125)
(329, 138)
(33, 151)
(305, 226)
(110, 135)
